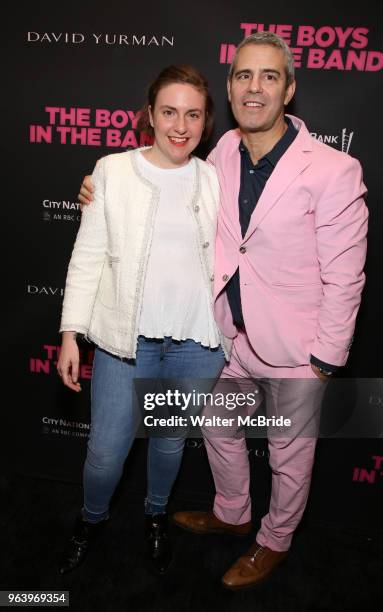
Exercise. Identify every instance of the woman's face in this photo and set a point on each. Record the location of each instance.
(178, 120)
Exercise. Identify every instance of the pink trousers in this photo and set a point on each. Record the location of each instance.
(291, 453)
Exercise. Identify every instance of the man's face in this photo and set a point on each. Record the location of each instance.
(257, 90)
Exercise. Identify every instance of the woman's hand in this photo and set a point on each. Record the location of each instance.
(69, 360)
(86, 194)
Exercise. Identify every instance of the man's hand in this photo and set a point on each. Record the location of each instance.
(68, 363)
(318, 373)
(85, 196)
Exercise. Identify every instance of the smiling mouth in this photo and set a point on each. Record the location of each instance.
(253, 104)
(177, 141)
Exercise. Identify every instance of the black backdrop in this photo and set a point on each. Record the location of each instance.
(99, 57)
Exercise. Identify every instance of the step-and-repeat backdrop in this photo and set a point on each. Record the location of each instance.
(75, 78)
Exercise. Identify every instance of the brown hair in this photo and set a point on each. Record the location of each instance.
(178, 74)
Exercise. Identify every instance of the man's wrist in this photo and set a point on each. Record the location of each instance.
(326, 369)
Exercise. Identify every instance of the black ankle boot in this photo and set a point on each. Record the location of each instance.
(76, 550)
(159, 551)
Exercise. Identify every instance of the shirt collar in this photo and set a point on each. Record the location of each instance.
(279, 148)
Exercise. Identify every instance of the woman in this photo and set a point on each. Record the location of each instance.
(139, 286)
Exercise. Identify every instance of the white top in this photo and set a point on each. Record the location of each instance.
(176, 301)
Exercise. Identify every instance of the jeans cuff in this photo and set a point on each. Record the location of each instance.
(93, 517)
(152, 508)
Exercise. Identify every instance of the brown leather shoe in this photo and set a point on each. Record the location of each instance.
(252, 568)
(207, 522)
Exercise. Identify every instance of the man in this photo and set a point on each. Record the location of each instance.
(291, 247)
(290, 253)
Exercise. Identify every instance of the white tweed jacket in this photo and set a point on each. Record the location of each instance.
(106, 273)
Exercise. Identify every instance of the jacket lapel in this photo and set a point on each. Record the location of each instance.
(291, 164)
(233, 186)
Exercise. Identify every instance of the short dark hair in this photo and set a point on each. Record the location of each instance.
(178, 74)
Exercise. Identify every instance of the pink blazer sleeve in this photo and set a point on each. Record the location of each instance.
(341, 228)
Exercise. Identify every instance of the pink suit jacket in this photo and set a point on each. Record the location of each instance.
(301, 260)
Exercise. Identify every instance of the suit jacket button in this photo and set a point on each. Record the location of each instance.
(205, 245)
(242, 249)
(225, 278)
(196, 208)
(212, 277)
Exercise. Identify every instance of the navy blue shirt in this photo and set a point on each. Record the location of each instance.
(253, 181)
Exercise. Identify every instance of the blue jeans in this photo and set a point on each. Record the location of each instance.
(115, 418)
